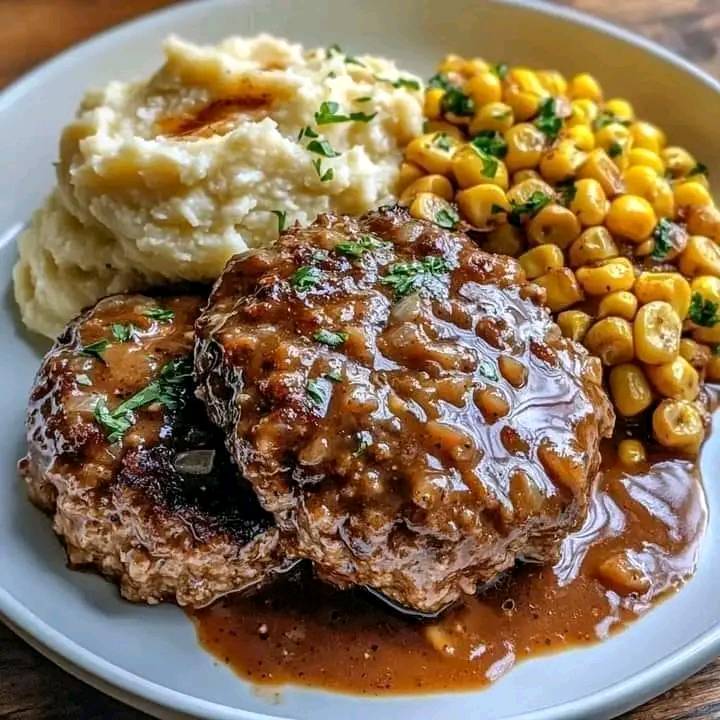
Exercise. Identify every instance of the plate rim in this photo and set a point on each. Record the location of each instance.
(129, 687)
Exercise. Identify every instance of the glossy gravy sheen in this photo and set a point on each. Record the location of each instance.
(303, 632)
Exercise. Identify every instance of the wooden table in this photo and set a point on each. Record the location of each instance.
(32, 688)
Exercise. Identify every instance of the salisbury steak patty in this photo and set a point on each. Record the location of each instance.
(402, 403)
(122, 455)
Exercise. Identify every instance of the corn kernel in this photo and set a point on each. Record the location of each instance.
(697, 354)
(427, 206)
(712, 370)
(485, 87)
(585, 86)
(611, 339)
(436, 184)
(589, 203)
(582, 136)
(646, 158)
(552, 81)
(671, 287)
(561, 161)
(524, 103)
(475, 65)
(554, 224)
(657, 330)
(691, 193)
(541, 259)
(620, 109)
(441, 126)
(483, 205)
(561, 288)
(707, 287)
(644, 182)
(678, 424)
(609, 276)
(524, 190)
(648, 136)
(632, 217)
(678, 161)
(433, 103)
(452, 63)
(593, 245)
(582, 112)
(675, 379)
(620, 303)
(700, 257)
(631, 453)
(522, 175)
(496, 116)
(599, 166)
(525, 146)
(408, 174)
(505, 239)
(704, 220)
(574, 324)
(629, 389)
(613, 138)
(432, 152)
(473, 167)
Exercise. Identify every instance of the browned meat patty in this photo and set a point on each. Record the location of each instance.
(122, 455)
(402, 403)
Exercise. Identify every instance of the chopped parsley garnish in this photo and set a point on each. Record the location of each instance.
(407, 277)
(702, 311)
(307, 132)
(329, 174)
(335, 48)
(123, 333)
(160, 314)
(490, 142)
(365, 98)
(407, 83)
(487, 369)
(305, 277)
(322, 147)
(455, 101)
(315, 391)
(83, 379)
(357, 248)
(447, 218)
(328, 113)
(501, 70)
(519, 211)
(95, 349)
(615, 149)
(331, 338)
(333, 376)
(662, 234)
(442, 141)
(490, 163)
(281, 219)
(440, 81)
(567, 190)
(547, 120)
(168, 389)
(699, 169)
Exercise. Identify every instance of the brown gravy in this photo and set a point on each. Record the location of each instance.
(303, 632)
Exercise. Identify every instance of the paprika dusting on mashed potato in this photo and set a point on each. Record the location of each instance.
(164, 179)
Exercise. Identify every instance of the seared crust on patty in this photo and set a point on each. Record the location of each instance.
(161, 508)
(403, 404)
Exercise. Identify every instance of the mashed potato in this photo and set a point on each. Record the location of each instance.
(163, 180)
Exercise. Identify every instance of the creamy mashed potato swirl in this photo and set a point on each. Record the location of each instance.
(165, 179)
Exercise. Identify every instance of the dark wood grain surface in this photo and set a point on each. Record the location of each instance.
(32, 688)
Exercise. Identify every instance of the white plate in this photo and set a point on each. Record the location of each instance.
(149, 656)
